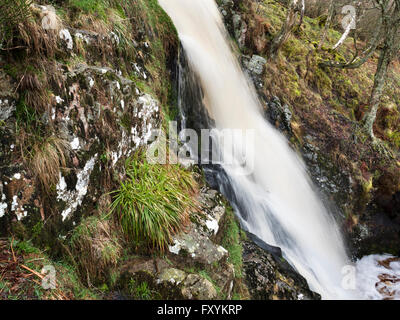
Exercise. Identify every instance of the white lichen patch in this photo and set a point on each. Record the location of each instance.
(212, 225)
(114, 37)
(146, 110)
(176, 248)
(59, 100)
(83, 37)
(74, 199)
(139, 71)
(91, 82)
(148, 106)
(18, 209)
(66, 36)
(3, 204)
(3, 208)
(75, 144)
(17, 176)
(222, 250)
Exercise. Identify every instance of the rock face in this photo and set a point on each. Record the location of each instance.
(270, 277)
(95, 117)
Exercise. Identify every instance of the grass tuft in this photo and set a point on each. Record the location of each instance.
(153, 203)
(47, 159)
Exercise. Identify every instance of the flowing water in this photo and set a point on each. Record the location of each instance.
(277, 201)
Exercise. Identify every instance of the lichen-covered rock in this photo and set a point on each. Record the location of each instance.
(200, 248)
(256, 64)
(198, 288)
(172, 275)
(269, 277)
(197, 242)
(84, 115)
(280, 115)
(196, 267)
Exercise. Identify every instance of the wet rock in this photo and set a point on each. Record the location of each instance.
(240, 30)
(334, 183)
(256, 64)
(279, 115)
(270, 277)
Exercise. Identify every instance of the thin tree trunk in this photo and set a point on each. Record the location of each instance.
(287, 28)
(331, 12)
(379, 84)
(388, 52)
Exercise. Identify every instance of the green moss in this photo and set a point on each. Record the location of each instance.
(95, 7)
(231, 241)
(95, 248)
(323, 83)
(25, 247)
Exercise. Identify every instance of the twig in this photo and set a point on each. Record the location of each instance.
(37, 259)
(33, 271)
(12, 250)
(22, 78)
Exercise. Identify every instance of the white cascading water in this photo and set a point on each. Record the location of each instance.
(284, 210)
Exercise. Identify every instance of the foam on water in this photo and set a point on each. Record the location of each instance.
(378, 277)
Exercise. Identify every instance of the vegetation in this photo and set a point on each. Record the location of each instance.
(95, 248)
(140, 291)
(47, 159)
(21, 266)
(154, 202)
(12, 13)
(231, 241)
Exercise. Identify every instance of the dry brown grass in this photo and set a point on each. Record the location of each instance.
(34, 91)
(48, 158)
(27, 34)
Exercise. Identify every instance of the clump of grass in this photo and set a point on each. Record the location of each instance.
(95, 247)
(21, 31)
(12, 13)
(153, 203)
(47, 159)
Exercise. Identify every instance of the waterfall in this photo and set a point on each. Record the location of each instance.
(277, 201)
